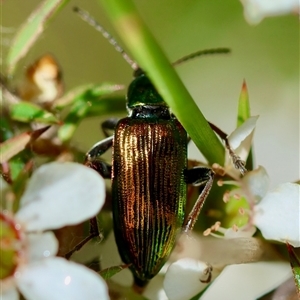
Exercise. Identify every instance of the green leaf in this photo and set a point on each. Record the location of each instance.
(243, 106)
(16, 165)
(97, 90)
(294, 255)
(111, 271)
(72, 120)
(23, 172)
(31, 30)
(13, 146)
(29, 112)
(243, 115)
(81, 105)
(6, 129)
(153, 61)
(198, 296)
(108, 105)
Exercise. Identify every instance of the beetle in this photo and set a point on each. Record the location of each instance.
(149, 175)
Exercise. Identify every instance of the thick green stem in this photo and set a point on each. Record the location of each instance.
(153, 61)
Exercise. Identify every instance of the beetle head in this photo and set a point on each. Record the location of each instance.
(142, 92)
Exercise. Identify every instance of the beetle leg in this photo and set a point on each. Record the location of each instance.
(109, 125)
(198, 176)
(237, 161)
(92, 160)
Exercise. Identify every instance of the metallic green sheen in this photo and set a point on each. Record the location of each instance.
(149, 191)
(142, 92)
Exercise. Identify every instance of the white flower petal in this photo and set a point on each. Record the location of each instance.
(278, 214)
(217, 251)
(42, 245)
(248, 281)
(236, 138)
(183, 279)
(55, 278)
(244, 148)
(9, 294)
(257, 181)
(256, 10)
(60, 194)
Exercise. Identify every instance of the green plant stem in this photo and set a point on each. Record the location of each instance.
(153, 61)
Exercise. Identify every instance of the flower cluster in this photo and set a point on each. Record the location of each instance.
(275, 213)
(58, 194)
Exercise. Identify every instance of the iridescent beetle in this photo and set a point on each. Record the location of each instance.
(149, 174)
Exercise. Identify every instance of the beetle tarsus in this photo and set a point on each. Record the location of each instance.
(237, 161)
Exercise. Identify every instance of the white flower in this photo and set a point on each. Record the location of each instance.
(58, 194)
(256, 10)
(276, 213)
(237, 137)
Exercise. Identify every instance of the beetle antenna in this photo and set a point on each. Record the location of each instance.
(200, 53)
(85, 16)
